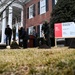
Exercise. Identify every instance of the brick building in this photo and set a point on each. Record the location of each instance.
(35, 13)
(30, 15)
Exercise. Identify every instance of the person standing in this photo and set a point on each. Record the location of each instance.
(20, 39)
(35, 38)
(46, 31)
(14, 33)
(8, 33)
(24, 37)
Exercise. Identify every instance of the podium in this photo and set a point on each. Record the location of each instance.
(31, 38)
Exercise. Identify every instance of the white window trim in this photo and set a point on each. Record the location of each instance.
(31, 16)
(30, 30)
(42, 6)
(56, 1)
(41, 33)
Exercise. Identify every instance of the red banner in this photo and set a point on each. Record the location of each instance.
(58, 30)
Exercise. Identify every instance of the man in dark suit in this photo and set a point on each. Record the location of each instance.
(46, 31)
(20, 39)
(24, 37)
(8, 33)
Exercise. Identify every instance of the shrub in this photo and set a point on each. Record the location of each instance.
(14, 45)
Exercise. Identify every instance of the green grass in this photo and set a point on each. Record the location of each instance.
(34, 61)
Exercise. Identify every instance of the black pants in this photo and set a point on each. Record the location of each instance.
(8, 40)
(35, 42)
(48, 42)
(25, 43)
(20, 42)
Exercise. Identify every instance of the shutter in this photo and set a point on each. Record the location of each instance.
(53, 3)
(38, 30)
(27, 12)
(38, 7)
(34, 27)
(34, 10)
(27, 30)
(47, 5)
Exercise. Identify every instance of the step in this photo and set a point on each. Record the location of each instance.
(2, 46)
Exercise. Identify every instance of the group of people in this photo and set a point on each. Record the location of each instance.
(23, 36)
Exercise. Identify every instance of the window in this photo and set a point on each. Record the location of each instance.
(31, 11)
(30, 30)
(43, 6)
(56, 1)
(39, 30)
(41, 33)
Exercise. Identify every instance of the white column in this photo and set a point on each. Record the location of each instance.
(10, 17)
(22, 18)
(17, 33)
(3, 27)
(56, 1)
(16, 30)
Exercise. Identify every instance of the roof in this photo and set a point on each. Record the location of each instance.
(4, 2)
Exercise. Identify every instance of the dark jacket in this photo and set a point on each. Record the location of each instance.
(8, 31)
(24, 34)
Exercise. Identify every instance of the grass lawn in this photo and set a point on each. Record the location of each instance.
(34, 61)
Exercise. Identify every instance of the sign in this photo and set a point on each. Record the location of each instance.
(58, 30)
(64, 30)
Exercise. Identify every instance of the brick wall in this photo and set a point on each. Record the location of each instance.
(38, 19)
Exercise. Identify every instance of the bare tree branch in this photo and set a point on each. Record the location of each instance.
(9, 2)
(6, 7)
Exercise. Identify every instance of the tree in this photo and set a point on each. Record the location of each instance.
(64, 11)
(3, 6)
(6, 3)
(46, 31)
